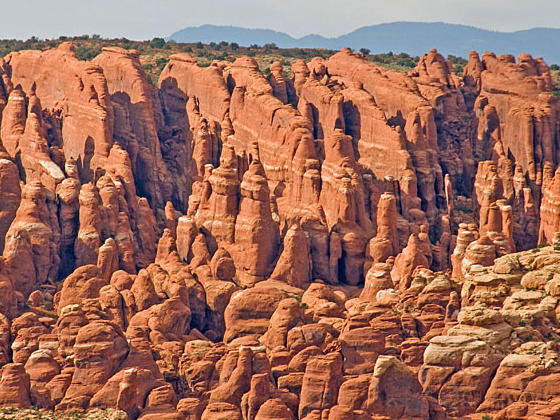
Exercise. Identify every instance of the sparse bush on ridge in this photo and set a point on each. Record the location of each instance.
(157, 43)
(155, 53)
(87, 53)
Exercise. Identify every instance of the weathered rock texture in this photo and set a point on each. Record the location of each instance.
(229, 245)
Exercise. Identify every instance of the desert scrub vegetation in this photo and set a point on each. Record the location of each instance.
(555, 75)
(36, 414)
(155, 53)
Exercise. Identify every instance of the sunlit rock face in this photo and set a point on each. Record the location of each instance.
(332, 241)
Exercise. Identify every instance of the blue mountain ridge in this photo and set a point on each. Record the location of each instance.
(414, 38)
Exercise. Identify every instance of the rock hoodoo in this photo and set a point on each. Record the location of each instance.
(349, 242)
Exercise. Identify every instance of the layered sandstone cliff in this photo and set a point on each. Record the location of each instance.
(335, 245)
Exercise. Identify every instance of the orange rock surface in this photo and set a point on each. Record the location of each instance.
(350, 242)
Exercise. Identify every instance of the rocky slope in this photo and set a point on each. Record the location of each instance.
(239, 245)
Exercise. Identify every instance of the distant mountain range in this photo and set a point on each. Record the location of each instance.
(414, 38)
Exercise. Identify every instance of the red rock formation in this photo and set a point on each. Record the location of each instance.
(385, 244)
(294, 264)
(34, 149)
(254, 228)
(30, 251)
(80, 99)
(10, 194)
(395, 391)
(14, 386)
(320, 384)
(405, 263)
(529, 81)
(550, 222)
(134, 125)
(262, 300)
(13, 121)
(98, 351)
(219, 213)
(68, 192)
(278, 82)
(231, 245)
(88, 239)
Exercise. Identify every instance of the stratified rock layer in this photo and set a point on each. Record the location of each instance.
(229, 245)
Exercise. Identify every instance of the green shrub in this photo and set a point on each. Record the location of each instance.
(157, 43)
(161, 62)
(86, 53)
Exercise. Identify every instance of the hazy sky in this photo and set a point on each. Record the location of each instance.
(144, 19)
